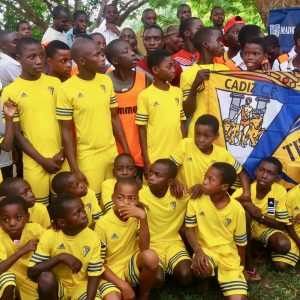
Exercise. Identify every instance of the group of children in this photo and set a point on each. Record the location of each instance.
(115, 224)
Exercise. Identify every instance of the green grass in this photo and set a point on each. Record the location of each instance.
(273, 286)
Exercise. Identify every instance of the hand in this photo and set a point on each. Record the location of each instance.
(178, 189)
(253, 210)
(196, 191)
(73, 262)
(50, 165)
(201, 76)
(82, 177)
(113, 28)
(266, 66)
(297, 219)
(200, 262)
(132, 211)
(30, 246)
(9, 108)
(127, 292)
(59, 157)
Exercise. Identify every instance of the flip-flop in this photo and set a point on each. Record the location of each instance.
(254, 276)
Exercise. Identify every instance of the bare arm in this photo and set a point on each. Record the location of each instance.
(272, 223)
(242, 254)
(246, 196)
(192, 238)
(143, 142)
(292, 233)
(182, 128)
(92, 286)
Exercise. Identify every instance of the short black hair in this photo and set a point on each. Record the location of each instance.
(228, 173)
(247, 32)
(53, 46)
(273, 160)
(186, 24)
(296, 35)
(112, 49)
(25, 41)
(84, 35)
(78, 13)
(123, 155)
(57, 10)
(59, 182)
(203, 35)
(180, 7)
(108, 5)
(4, 33)
(20, 23)
(258, 41)
(126, 181)
(272, 41)
(7, 185)
(170, 164)
(147, 10)
(14, 199)
(156, 57)
(209, 120)
(154, 26)
(214, 8)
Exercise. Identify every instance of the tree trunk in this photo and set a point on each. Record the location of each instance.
(264, 6)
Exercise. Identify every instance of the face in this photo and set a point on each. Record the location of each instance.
(25, 29)
(196, 25)
(128, 35)
(77, 186)
(214, 44)
(32, 59)
(253, 56)
(124, 168)
(111, 14)
(266, 174)
(9, 44)
(80, 24)
(94, 59)
(218, 16)
(61, 64)
(204, 138)
(174, 42)
(166, 70)
(100, 41)
(62, 22)
(149, 19)
(23, 189)
(126, 58)
(184, 13)
(158, 177)
(232, 36)
(75, 218)
(153, 39)
(212, 183)
(13, 219)
(125, 195)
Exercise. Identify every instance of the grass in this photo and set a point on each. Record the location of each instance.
(273, 286)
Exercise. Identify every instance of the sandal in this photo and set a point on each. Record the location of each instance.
(254, 276)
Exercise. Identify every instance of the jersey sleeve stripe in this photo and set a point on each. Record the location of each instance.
(108, 206)
(174, 160)
(190, 220)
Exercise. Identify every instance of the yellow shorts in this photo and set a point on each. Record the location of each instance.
(290, 258)
(171, 255)
(98, 167)
(27, 289)
(262, 233)
(230, 272)
(40, 180)
(78, 292)
(6, 279)
(131, 275)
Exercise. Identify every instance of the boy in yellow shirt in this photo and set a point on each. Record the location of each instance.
(67, 262)
(269, 212)
(125, 238)
(18, 241)
(160, 117)
(38, 212)
(165, 214)
(216, 231)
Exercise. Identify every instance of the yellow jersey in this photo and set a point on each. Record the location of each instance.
(36, 113)
(8, 247)
(39, 214)
(193, 163)
(165, 216)
(118, 239)
(92, 207)
(161, 112)
(106, 195)
(85, 246)
(88, 103)
(202, 99)
(293, 206)
(217, 227)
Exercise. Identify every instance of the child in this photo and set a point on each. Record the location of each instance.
(19, 187)
(193, 157)
(92, 154)
(123, 168)
(129, 261)
(67, 182)
(67, 261)
(159, 114)
(18, 241)
(255, 52)
(40, 140)
(208, 41)
(268, 211)
(58, 57)
(216, 230)
(165, 215)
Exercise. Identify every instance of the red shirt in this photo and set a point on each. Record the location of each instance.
(185, 58)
